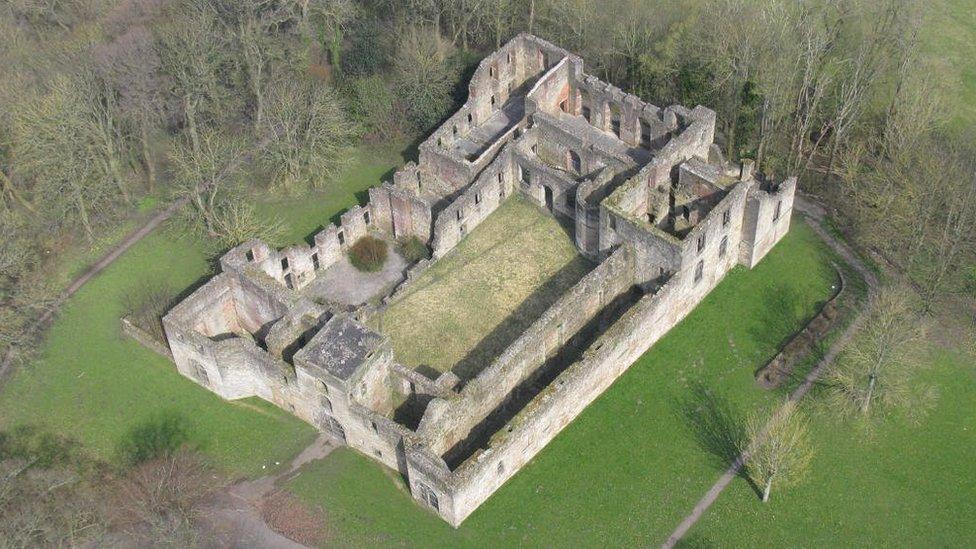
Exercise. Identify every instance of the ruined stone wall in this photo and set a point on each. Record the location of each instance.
(763, 228)
(192, 351)
(604, 104)
(474, 205)
(552, 92)
(587, 216)
(398, 213)
(723, 223)
(606, 359)
(447, 423)
(658, 253)
(535, 178)
(295, 266)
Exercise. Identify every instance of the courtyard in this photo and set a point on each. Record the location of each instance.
(471, 304)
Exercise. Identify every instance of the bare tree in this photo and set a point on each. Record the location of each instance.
(779, 448)
(67, 140)
(877, 371)
(203, 171)
(159, 501)
(192, 53)
(253, 24)
(132, 67)
(307, 134)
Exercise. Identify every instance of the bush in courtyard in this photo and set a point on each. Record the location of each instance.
(412, 249)
(368, 254)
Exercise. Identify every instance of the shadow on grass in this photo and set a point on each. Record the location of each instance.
(781, 317)
(719, 428)
(521, 318)
(694, 541)
(158, 435)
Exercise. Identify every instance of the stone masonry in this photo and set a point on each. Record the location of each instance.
(648, 196)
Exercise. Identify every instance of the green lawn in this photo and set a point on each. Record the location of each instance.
(94, 385)
(905, 484)
(633, 464)
(469, 306)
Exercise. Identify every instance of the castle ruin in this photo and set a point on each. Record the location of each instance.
(647, 197)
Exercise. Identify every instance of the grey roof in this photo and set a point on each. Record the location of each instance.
(340, 347)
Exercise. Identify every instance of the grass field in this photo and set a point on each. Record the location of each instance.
(627, 469)
(469, 306)
(93, 385)
(903, 485)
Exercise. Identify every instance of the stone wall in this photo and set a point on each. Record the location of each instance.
(399, 213)
(144, 337)
(474, 205)
(446, 423)
(295, 266)
(767, 219)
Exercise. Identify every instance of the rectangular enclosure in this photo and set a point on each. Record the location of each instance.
(470, 305)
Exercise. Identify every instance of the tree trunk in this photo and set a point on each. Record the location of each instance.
(147, 156)
(766, 489)
(531, 14)
(189, 110)
(7, 184)
(867, 400)
(83, 214)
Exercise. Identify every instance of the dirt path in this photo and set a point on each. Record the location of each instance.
(130, 240)
(234, 518)
(813, 215)
(6, 365)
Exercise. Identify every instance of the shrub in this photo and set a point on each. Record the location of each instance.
(368, 254)
(412, 249)
(371, 107)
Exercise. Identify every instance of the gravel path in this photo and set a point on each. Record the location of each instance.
(234, 516)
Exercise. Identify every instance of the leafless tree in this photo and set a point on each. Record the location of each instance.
(159, 501)
(131, 66)
(877, 372)
(192, 53)
(779, 448)
(307, 134)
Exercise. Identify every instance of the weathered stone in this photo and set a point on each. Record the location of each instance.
(646, 192)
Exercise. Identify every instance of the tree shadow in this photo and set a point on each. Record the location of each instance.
(780, 319)
(718, 427)
(519, 320)
(694, 541)
(152, 437)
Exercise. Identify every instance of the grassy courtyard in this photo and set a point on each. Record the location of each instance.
(470, 305)
(94, 385)
(628, 468)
